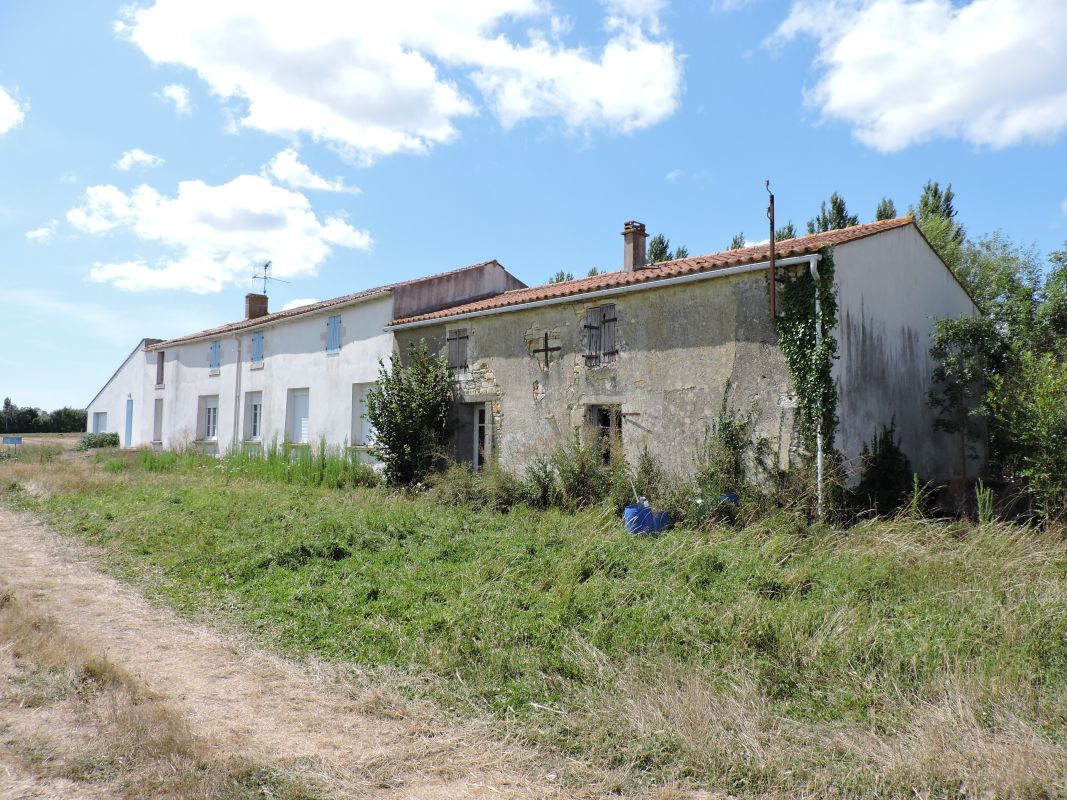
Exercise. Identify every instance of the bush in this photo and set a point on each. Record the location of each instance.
(541, 486)
(886, 480)
(91, 441)
(408, 408)
(583, 476)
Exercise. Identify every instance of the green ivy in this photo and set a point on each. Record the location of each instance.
(809, 366)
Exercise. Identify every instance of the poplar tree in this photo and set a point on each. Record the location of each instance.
(887, 209)
(832, 218)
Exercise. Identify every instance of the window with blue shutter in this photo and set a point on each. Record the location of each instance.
(333, 334)
(216, 351)
(257, 348)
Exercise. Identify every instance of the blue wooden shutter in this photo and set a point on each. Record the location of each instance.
(257, 347)
(215, 348)
(333, 334)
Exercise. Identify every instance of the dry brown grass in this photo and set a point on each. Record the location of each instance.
(70, 714)
(967, 740)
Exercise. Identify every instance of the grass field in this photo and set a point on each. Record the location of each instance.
(899, 658)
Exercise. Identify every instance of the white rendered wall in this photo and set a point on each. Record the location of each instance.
(130, 382)
(892, 288)
(294, 357)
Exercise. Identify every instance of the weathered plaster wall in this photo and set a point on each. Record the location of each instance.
(678, 348)
(450, 288)
(892, 288)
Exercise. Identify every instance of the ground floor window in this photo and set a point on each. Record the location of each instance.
(299, 416)
(209, 417)
(605, 425)
(99, 421)
(253, 416)
(157, 421)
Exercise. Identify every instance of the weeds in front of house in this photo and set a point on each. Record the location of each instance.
(765, 657)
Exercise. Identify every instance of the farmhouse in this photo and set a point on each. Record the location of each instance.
(642, 357)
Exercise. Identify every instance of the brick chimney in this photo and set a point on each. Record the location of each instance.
(255, 306)
(633, 249)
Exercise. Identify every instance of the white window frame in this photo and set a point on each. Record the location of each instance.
(209, 418)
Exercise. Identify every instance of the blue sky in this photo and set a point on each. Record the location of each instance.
(153, 155)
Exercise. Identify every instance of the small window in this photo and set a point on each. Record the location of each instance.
(605, 424)
(215, 357)
(457, 348)
(209, 417)
(333, 334)
(257, 348)
(598, 335)
(253, 416)
(99, 421)
(159, 369)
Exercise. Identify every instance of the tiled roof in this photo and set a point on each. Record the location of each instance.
(311, 308)
(802, 245)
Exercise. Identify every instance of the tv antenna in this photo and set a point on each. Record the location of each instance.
(264, 275)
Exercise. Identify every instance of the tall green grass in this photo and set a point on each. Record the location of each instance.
(781, 657)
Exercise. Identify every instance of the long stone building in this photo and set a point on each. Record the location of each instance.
(643, 355)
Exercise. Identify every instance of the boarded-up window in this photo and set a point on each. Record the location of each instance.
(598, 335)
(457, 348)
(159, 369)
(605, 424)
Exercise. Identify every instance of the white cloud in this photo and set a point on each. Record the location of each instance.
(137, 157)
(374, 79)
(216, 234)
(673, 175)
(11, 113)
(43, 234)
(900, 72)
(300, 301)
(287, 168)
(179, 96)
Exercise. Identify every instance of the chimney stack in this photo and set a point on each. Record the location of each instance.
(633, 249)
(255, 306)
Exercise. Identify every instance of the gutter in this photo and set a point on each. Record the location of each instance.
(615, 290)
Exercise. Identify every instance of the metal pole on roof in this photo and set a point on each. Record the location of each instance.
(770, 269)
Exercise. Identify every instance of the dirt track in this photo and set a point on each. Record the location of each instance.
(248, 703)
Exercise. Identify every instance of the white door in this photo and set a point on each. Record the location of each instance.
(299, 433)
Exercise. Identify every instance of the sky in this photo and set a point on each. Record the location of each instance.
(153, 155)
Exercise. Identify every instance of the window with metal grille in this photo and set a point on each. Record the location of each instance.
(457, 348)
(598, 335)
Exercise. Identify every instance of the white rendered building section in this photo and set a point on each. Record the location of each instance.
(299, 391)
(892, 288)
(125, 404)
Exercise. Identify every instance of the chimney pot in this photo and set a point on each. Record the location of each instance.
(633, 250)
(255, 306)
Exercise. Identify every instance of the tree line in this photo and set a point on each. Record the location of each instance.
(24, 419)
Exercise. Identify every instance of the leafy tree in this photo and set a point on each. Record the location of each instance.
(681, 251)
(737, 242)
(787, 231)
(592, 273)
(934, 202)
(659, 249)
(561, 277)
(408, 408)
(887, 209)
(832, 218)
(14, 419)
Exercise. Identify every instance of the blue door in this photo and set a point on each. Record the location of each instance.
(129, 422)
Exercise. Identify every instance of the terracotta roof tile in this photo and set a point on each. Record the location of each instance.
(802, 245)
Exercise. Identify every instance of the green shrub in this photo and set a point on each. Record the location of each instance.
(91, 441)
(583, 475)
(541, 485)
(408, 408)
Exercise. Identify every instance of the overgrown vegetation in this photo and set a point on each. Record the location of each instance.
(408, 408)
(92, 441)
(15, 419)
(781, 658)
(886, 479)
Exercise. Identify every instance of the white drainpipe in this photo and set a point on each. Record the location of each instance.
(813, 265)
